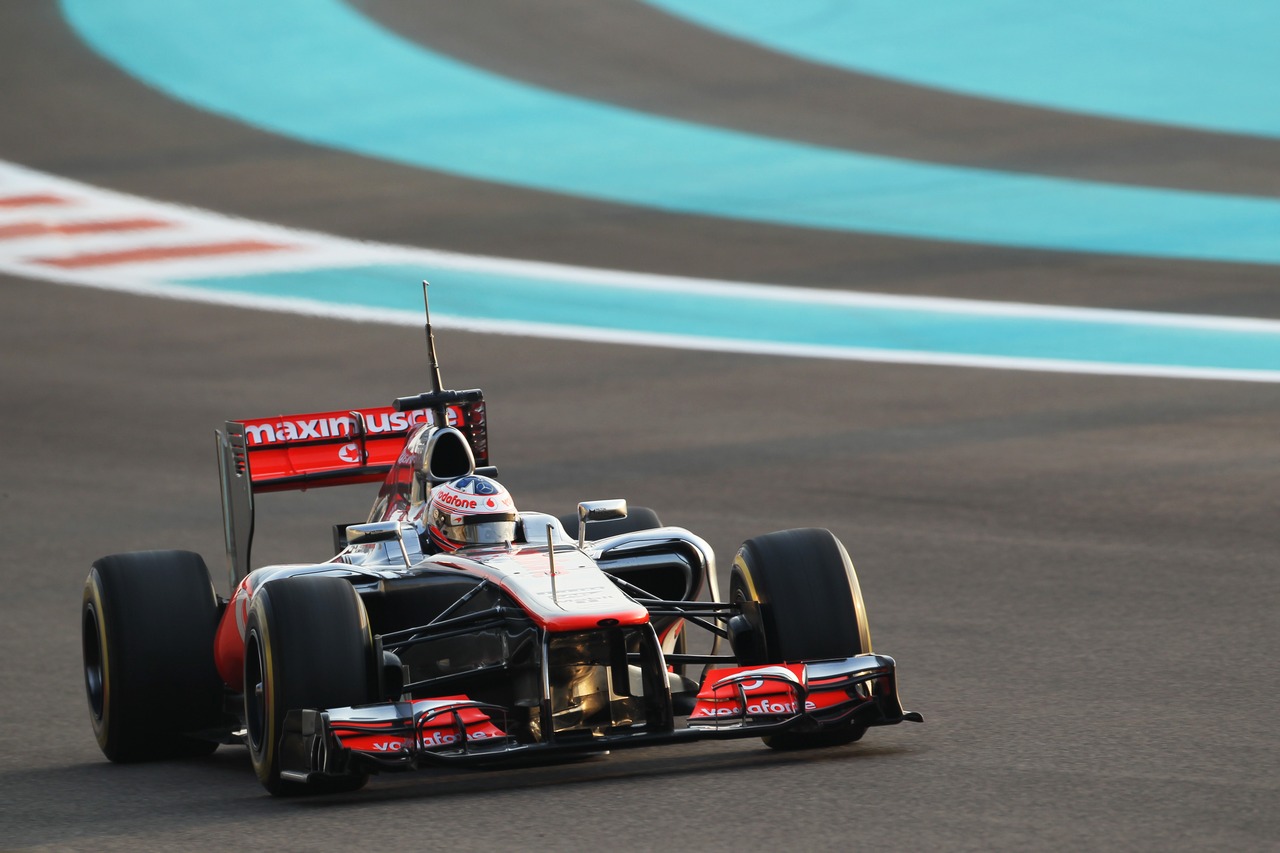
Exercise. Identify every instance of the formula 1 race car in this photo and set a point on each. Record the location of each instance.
(451, 629)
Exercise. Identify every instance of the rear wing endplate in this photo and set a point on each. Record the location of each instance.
(340, 448)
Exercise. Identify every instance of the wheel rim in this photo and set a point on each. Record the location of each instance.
(94, 675)
(255, 694)
(740, 593)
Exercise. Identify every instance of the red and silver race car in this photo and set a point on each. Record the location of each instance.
(451, 629)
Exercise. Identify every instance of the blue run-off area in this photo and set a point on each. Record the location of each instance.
(318, 71)
(1208, 65)
(831, 325)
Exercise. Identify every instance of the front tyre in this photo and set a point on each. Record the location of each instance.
(308, 645)
(803, 603)
(147, 622)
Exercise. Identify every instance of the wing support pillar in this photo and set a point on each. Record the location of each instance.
(237, 499)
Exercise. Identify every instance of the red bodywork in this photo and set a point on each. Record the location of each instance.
(343, 447)
(337, 448)
(564, 592)
(380, 444)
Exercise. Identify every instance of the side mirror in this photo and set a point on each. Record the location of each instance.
(377, 531)
(598, 511)
(384, 531)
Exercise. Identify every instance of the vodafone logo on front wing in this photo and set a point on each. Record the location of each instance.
(764, 706)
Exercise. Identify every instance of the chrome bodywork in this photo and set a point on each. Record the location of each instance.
(496, 651)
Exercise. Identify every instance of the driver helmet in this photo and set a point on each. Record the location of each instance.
(471, 510)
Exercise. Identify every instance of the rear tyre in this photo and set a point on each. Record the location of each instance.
(147, 626)
(307, 646)
(638, 518)
(807, 606)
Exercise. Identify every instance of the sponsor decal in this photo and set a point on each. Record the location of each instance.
(298, 430)
(448, 497)
(384, 421)
(765, 694)
(759, 708)
(476, 486)
(471, 494)
(350, 453)
(433, 739)
(441, 738)
(319, 427)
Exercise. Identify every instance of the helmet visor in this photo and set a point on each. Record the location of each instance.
(489, 529)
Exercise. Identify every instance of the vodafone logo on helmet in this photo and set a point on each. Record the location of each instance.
(450, 498)
(472, 494)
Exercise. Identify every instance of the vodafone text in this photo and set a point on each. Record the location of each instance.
(764, 706)
(456, 500)
(436, 738)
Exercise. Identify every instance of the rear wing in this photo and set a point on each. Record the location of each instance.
(340, 448)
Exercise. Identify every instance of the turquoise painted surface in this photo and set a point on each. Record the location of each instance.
(739, 318)
(1214, 66)
(318, 71)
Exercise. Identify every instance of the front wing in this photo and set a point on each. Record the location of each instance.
(860, 691)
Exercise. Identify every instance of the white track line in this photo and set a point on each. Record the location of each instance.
(29, 256)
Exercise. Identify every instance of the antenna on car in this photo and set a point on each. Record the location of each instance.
(551, 562)
(438, 400)
(432, 362)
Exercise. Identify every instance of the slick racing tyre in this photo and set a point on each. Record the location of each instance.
(807, 606)
(307, 646)
(638, 518)
(147, 625)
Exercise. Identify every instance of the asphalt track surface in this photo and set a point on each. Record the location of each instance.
(1077, 575)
